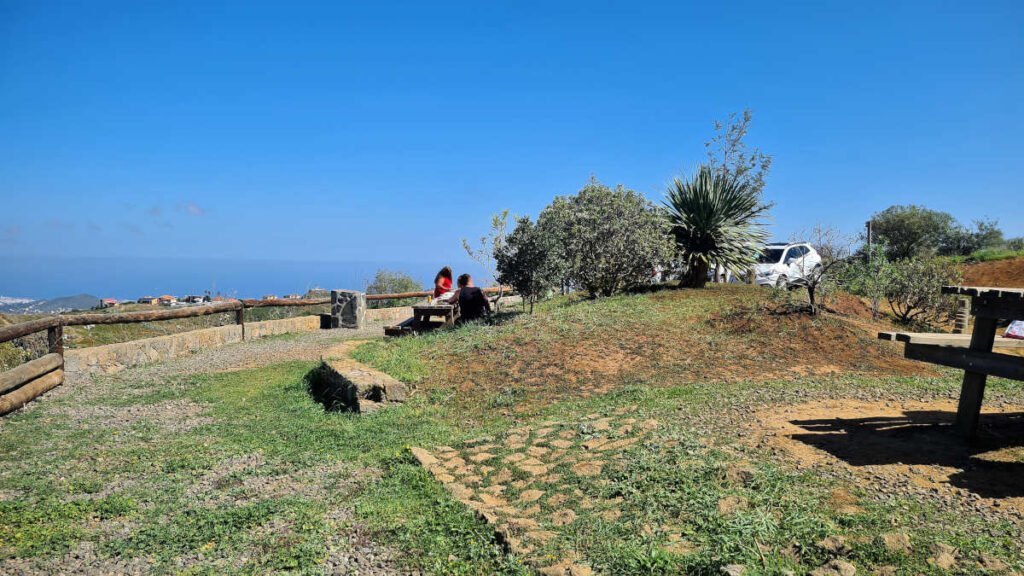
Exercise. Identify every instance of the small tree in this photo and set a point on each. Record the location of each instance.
(715, 218)
(834, 249)
(913, 289)
(727, 152)
(912, 231)
(610, 239)
(525, 262)
(489, 244)
(865, 276)
(387, 282)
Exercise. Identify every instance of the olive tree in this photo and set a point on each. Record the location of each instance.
(913, 288)
(606, 240)
(835, 249)
(526, 261)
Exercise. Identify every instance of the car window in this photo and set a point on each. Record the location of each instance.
(792, 254)
(770, 256)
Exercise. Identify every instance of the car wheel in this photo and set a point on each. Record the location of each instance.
(782, 282)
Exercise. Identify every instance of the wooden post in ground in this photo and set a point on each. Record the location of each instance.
(240, 319)
(972, 391)
(55, 339)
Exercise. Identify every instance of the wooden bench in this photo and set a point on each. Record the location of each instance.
(972, 353)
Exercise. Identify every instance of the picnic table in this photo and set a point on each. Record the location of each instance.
(972, 353)
(422, 314)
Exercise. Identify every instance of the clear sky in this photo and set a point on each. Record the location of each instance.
(388, 131)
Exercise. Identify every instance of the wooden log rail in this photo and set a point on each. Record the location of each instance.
(24, 383)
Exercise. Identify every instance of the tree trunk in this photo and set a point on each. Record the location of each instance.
(811, 300)
(696, 276)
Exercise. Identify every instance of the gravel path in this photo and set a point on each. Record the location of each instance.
(244, 355)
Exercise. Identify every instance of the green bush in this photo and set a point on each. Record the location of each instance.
(913, 289)
(10, 356)
(605, 240)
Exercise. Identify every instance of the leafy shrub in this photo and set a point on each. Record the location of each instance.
(10, 356)
(605, 240)
(913, 288)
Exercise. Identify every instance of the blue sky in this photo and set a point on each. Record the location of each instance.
(388, 131)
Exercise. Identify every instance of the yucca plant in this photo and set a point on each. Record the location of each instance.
(716, 219)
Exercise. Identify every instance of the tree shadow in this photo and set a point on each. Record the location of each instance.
(928, 438)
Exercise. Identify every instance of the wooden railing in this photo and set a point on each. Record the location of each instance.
(27, 381)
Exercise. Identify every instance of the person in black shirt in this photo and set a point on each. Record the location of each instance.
(472, 302)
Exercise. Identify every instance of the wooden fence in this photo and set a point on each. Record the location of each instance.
(27, 381)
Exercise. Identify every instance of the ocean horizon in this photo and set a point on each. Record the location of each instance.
(42, 278)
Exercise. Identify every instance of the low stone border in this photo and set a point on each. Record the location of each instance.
(525, 485)
(341, 383)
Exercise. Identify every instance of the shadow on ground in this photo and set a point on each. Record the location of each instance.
(990, 466)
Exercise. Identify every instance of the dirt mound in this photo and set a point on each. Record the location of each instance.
(1007, 273)
(908, 447)
(667, 338)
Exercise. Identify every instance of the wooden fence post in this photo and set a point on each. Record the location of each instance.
(55, 339)
(240, 318)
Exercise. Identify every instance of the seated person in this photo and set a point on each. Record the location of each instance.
(443, 282)
(473, 305)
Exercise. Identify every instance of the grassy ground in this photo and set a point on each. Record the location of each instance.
(242, 472)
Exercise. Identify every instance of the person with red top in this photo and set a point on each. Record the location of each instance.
(443, 282)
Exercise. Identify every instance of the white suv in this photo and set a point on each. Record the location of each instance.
(784, 265)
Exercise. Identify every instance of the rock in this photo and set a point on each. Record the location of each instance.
(734, 570)
(423, 457)
(530, 495)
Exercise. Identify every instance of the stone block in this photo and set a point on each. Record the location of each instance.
(348, 386)
(348, 309)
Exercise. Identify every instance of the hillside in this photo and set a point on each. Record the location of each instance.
(52, 306)
(677, 432)
(575, 347)
(1007, 273)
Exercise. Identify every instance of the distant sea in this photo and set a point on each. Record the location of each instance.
(131, 278)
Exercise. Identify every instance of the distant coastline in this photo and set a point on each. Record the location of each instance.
(39, 278)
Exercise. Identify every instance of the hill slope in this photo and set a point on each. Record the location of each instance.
(1007, 273)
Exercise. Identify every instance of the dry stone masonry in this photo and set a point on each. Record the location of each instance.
(527, 483)
(348, 309)
(344, 384)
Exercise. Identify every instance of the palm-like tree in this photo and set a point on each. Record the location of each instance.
(716, 219)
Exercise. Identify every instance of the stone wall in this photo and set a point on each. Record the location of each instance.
(116, 357)
(389, 315)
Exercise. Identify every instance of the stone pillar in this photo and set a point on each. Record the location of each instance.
(348, 309)
(962, 322)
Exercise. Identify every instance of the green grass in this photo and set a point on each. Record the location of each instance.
(232, 528)
(265, 481)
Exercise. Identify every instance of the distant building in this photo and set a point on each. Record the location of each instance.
(193, 299)
(107, 302)
(293, 297)
(167, 300)
(148, 300)
(269, 297)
